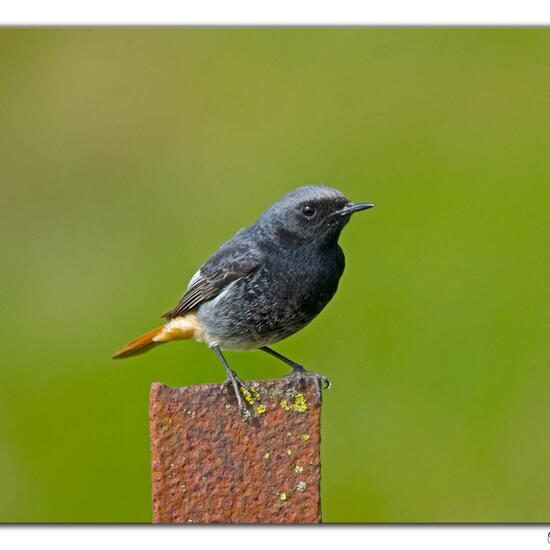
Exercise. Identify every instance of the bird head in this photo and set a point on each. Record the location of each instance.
(310, 214)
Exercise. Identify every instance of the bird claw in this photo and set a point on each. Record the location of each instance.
(325, 381)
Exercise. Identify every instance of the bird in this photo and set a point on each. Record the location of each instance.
(264, 284)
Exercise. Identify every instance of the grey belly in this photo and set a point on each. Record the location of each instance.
(256, 312)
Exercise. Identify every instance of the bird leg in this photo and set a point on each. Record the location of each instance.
(297, 369)
(233, 380)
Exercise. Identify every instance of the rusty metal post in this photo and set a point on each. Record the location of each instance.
(209, 466)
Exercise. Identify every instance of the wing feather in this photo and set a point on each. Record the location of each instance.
(234, 260)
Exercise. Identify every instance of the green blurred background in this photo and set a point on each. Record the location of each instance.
(129, 155)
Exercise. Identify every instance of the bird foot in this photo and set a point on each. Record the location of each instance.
(301, 374)
(243, 395)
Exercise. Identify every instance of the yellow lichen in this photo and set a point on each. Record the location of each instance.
(267, 455)
(288, 452)
(255, 394)
(298, 469)
(261, 408)
(247, 395)
(305, 437)
(282, 496)
(300, 404)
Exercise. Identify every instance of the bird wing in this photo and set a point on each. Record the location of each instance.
(235, 259)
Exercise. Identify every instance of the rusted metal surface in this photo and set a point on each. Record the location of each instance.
(210, 466)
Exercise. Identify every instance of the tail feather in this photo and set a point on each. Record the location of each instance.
(140, 345)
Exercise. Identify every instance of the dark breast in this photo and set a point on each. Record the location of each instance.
(278, 299)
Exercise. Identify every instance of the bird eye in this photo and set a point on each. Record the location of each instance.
(308, 210)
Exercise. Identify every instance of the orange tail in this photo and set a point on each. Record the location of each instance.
(140, 345)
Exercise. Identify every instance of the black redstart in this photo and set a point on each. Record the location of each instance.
(264, 284)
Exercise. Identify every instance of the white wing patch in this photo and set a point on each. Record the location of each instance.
(194, 279)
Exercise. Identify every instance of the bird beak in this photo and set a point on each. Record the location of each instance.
(352, 207)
